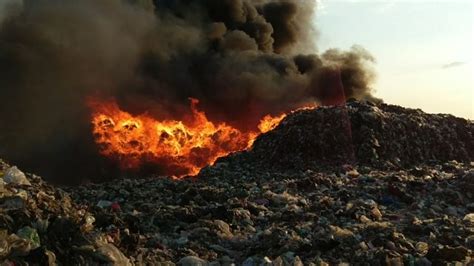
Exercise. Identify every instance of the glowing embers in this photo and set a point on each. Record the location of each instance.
(178, 148)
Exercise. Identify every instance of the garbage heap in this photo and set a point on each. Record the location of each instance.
(251, 209)
(41, 225)
(383, 136)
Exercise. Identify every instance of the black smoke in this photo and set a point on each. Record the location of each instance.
(241, 58)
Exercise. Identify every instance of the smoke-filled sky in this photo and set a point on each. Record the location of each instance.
(424, 49)
(242, 59)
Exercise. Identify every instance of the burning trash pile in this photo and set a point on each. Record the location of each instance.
(114, 95)
(180, 148)
(355, 184)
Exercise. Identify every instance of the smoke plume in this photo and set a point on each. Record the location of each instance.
(242, 59)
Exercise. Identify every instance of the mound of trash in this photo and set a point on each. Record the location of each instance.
(366, 134)
(41, 225)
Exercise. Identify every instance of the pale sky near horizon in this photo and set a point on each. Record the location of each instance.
(424, 49)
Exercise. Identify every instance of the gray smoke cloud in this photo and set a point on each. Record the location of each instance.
(9, 8)
(241, 58)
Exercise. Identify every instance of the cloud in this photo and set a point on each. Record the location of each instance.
(321, 6)
(385, 6)
(453, 64)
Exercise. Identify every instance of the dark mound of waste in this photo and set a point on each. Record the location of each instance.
(366, 134)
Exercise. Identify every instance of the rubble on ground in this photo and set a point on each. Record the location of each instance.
(247, 212)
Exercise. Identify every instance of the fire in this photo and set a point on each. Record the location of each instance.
(179, 148)
(269, 122)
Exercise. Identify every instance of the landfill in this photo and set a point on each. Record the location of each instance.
(359, 184)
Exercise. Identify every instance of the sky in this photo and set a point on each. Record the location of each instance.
(424, 49)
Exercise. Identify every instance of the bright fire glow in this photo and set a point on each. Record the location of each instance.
(179, 148)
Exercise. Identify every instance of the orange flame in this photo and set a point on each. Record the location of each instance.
(180, 148)
(269, 122)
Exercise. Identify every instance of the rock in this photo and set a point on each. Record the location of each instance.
(14, 176)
